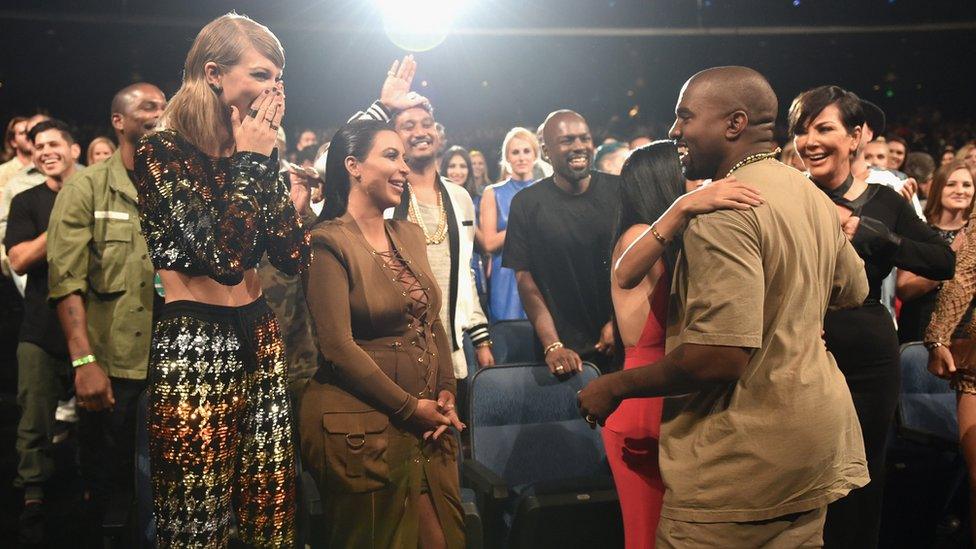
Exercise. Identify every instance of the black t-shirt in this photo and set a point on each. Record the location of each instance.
(30, 211)
(566, 242)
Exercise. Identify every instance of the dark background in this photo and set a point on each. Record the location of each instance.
(69, 57)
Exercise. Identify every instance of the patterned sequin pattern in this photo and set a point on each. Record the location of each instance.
(220, 432)
(215, 216)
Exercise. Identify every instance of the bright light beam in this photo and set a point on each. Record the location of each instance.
(418, 25)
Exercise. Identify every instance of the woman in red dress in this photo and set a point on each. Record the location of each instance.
(644, 259)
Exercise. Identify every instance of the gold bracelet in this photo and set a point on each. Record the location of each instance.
(553, 347)
(486, 343)
(658, 236)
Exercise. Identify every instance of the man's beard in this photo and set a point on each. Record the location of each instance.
(418, 164)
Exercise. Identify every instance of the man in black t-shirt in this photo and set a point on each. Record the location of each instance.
(43, 370)
(559, 241)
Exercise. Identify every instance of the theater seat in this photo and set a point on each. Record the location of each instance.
(924, 498)
(514, 342)
(927, 405)
(539, 472)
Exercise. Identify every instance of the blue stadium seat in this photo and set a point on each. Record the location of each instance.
(926, 406)
(515, 342)
(539, 471)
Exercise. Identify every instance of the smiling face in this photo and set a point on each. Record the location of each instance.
(54, 154)
(382, 175)
(826, 147)
(457, 169)
(521, 157)
(957, 194)
(141, 111)
(699, 129)
(416, 127)
(242, 83)
(896, 155)
(569, 145)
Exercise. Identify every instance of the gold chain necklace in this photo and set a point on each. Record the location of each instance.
(413, 214)
(753, 158)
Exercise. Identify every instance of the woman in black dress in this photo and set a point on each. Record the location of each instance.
(884, 229)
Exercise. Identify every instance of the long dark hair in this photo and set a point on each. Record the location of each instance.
(355, 139)
(469, 183)
(652, 181)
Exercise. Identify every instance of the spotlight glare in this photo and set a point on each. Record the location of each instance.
(418, 25)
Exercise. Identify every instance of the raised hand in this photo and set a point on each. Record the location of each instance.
(908, 189)
(257, 130)
(395, 94)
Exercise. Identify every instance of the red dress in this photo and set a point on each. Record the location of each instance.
(632, 432)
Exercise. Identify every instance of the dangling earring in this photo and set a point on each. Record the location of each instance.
(216, 89)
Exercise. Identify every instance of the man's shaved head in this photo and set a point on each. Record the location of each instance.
(556, 118)
(125, 99)
(722, 113)
(135, 110)
(737, 88)
(568, 144)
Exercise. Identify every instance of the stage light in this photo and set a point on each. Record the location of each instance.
(418, 25)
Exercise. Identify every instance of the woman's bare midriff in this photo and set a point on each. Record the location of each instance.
(203, 289)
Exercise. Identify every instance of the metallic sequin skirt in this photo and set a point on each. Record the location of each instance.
(220, 427)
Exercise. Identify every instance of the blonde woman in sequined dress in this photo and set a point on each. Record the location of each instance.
(212, 203)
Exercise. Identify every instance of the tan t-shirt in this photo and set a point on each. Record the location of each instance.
(785, 437)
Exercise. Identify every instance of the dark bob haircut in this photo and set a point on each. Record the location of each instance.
(808, 105)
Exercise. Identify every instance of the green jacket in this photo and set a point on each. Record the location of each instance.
(95, 247)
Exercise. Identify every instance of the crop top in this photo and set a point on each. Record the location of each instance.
(215, 217)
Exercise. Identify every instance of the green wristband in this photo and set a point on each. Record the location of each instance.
(87, 359)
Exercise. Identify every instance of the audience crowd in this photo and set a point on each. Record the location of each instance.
(575, 230)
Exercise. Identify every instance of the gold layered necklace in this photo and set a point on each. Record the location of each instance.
(753, 158)
(413, 214)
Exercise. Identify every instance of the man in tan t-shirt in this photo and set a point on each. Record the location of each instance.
(766, 434)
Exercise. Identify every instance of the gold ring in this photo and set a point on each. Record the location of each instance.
(559, 368)
(590, 419)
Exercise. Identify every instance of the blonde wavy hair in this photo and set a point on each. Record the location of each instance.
(196, 111)
(520, 133)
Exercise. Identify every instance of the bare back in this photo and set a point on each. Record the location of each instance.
(182, 287)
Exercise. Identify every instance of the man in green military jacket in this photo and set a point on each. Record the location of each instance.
(101, 279)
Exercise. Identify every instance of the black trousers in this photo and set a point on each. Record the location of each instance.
(865, 345)
(107, 442)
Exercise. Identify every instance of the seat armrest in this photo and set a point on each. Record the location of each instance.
(484, 481)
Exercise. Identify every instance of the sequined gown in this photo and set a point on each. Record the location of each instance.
(219, 418)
